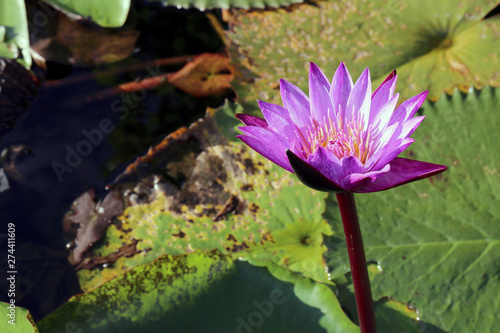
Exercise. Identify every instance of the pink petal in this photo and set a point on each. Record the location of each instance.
(311, 177)
(384, 115)
(359, 100)
(382, 95)
(334, 169)
(319, 96)
(278, 119)
(267, 143)
(386, 89)
(341, 89)
(296, 102)
(278, 109)
(319, 75)
(410, 126)
(360, 180)
(250, 120)
(408, 108)
(381, 141)
(390, 152)
(402, 171)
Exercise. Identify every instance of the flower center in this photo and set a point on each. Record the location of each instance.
(342, 138)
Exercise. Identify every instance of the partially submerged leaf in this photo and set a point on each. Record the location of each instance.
(395, 316)
(91, 221)
(17, 88)
(69, 41)
(207, 74)
(434, 47)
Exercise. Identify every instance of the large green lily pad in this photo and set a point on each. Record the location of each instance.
(198, 292)
(437, 241)
(203, 192)
(434, 45)
(14, 36)
(110, 13)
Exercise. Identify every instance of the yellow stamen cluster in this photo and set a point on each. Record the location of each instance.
(340, 137)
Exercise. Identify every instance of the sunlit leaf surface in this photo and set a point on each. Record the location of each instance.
(110, 13)
(14, 36)
(434, 46)
(16, 319)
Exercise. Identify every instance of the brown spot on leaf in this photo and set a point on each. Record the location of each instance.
(180, 234)
(305, 240)
(90, 220)
(267, 237)
(247, 187)
(238, 247)
(254, 208)
(232, 206)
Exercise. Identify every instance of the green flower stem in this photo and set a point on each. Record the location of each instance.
(359, 270)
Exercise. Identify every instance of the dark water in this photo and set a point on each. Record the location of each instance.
(73, 138)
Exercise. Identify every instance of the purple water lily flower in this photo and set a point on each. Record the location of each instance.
(342, 138)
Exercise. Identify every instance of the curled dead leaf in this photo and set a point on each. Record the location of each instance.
(208, 74)
(70, 41)
(91, 220)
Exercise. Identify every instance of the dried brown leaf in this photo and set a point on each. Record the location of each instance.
(208, 74)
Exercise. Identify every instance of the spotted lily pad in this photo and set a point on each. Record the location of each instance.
(434, 46)
(437, 241)
(198, 191)
(198, 292)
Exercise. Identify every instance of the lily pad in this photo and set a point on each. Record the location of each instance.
(433, 46)
(178, 293)
(225, 4)
(109, 14)
(16, 319)
(437, 241)
(14, 36)
(317, 295)
(198, 191)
